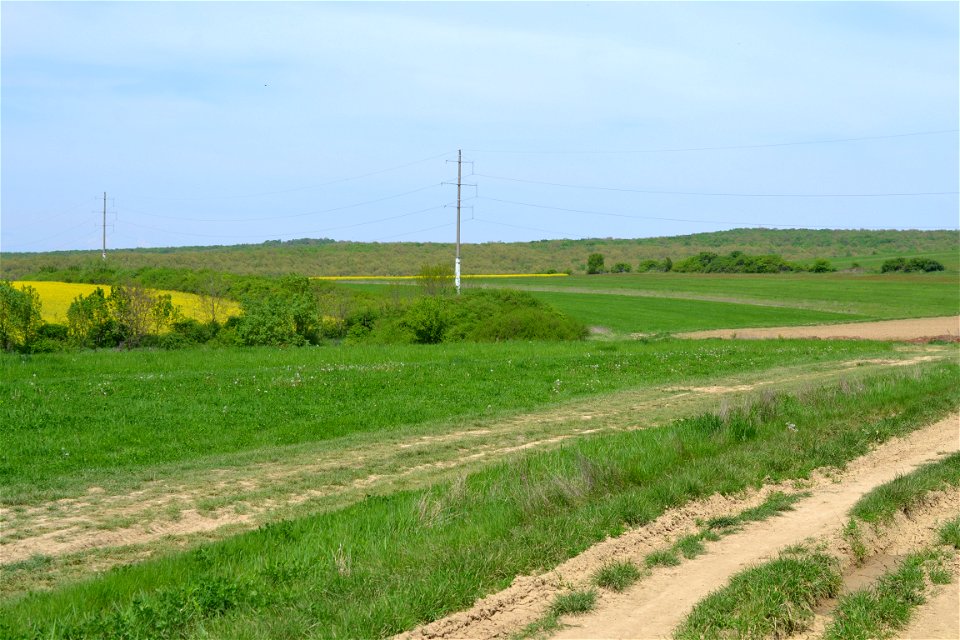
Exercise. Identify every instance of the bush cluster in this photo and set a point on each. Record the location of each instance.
(740, 262)
(479, 315)
(709, 262)
(913, 264)
(287, 311)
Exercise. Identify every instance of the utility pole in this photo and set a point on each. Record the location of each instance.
(104, 253)
(460, 185)
(456, 269)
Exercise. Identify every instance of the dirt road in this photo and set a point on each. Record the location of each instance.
(945, 327)
(657, 604)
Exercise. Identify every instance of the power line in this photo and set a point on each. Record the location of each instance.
(517, 226)
(720, 148)
(718, 193)
(293, 215)
(410, 233)
(291, 234)
(315, 186)
(61, 233)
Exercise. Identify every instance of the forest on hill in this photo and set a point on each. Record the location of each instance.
(315, 257)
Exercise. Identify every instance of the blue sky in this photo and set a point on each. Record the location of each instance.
(227, 123)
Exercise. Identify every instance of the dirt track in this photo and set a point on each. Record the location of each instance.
(946, 327)
(657, 604)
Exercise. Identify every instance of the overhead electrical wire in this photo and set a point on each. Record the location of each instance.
(293, 215)
(408, 233)
(717, 193)
(60, 233)
(517, 226)
(314, 186)
(716, 148)
(297, 233)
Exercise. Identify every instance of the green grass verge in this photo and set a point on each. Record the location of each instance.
(904, 492)
(378, 567)
(885, 607)
(79, 419)
(775, 599)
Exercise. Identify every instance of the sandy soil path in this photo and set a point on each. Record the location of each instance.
(947, 327)
(658, 603)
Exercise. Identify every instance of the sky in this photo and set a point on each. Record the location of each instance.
(227, 123)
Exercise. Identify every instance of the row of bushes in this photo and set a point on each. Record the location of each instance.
(913, 264)
(708, 262)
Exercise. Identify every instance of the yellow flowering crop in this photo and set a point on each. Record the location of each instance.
(56, 297)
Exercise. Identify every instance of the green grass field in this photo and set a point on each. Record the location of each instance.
(80, 418)
(872, 296)
(389, 563)
(629, 314)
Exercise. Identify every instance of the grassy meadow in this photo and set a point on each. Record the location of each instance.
(390, 562)
(871, 296)
(74, 419)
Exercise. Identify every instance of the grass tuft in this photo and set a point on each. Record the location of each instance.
(540, 628)
(854, 537)
(950, 533)
(574, 603)
(662, 558)
(617, 576)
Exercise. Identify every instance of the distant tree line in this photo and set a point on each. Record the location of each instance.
(709, 262)
(328, 257)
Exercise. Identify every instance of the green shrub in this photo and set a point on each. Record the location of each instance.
(913, 264)
(595, 263)
(648, 265)
(427, 319)
(268, 321)
(194, 332)
(20, 319)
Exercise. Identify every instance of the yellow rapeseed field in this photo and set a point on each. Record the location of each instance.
(56, 297)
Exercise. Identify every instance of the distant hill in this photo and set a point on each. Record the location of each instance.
(329, 257)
